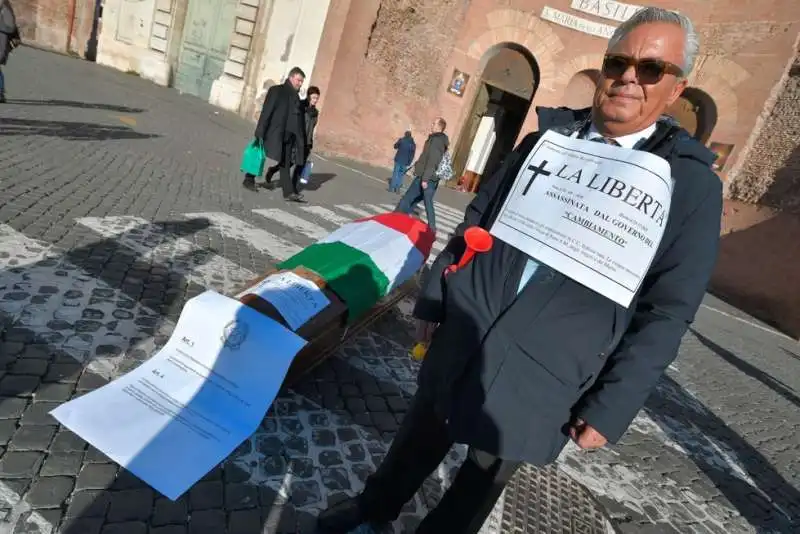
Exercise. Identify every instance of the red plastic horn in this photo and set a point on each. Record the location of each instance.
(477, 240)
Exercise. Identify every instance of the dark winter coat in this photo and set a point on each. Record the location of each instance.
(281, 125)
(510, 372)
(8, 30)
(432, 153)
(406, 149)
(310, 119)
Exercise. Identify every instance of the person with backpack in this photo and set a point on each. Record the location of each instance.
(427, 172)
(406, 149)
(9, 40)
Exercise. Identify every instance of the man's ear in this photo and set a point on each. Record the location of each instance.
(677, 91)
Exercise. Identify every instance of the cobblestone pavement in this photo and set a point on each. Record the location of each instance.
(119, 200)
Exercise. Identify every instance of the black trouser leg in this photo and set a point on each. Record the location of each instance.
(286, 181)
(470, 498)
(270, 172)
(418, 448)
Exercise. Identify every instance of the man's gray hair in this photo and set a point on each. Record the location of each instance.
(691, 41)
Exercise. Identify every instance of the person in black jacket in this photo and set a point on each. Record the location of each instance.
(9, 39)
(310, 115)
(525, 358)
(425, 182)
(281, 128)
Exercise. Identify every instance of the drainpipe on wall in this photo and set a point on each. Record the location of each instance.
(70, 23)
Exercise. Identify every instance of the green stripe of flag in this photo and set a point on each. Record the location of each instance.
(350, 273)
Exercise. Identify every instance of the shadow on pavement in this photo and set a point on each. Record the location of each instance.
(69, 131)
(74, 104)
(750, 370)
(343, 421)
(745, 478)
(317, 180)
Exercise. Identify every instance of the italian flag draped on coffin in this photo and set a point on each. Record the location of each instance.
(365, 260)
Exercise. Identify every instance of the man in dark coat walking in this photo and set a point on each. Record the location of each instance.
(525, 358)
(9, 39)
(405, 150)
(425, 182)
(281, 128)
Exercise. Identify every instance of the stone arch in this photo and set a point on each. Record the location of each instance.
(575, 66)
(525, 31)
(718, 77)
(580, 90)
(507, 79)
(696, 111)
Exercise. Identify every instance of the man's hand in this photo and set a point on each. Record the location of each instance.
(585, 436)
(424, 184)
(425, 331)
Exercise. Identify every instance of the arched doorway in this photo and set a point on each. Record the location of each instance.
(696, 112)
(580, 90)
(508, 81)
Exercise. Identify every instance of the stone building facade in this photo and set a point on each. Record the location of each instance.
(390, 65)
(757, 267)
(228, 52)
(67, 26)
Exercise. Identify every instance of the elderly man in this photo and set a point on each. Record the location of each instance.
(525, 358)
(281, 129)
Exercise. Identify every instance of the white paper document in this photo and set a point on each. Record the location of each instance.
(183, 411)
(295, 298)
(594, 212)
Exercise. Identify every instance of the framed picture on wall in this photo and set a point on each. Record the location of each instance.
(458, 83)
(723, 151)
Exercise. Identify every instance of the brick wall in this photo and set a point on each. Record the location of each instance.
(45, 23)
(757, 265)
(771, 174)
(387, 73)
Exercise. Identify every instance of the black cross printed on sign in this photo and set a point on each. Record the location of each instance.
(536, 172)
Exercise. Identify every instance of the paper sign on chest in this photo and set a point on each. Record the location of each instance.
(594, 212)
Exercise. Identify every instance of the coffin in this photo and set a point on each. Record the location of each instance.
(363, 268)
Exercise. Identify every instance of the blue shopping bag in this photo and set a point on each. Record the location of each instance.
(305, 174)
(253, 158)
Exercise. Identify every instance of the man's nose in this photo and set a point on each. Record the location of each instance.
(629, 76)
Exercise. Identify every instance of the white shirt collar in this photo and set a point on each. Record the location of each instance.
(625, 141)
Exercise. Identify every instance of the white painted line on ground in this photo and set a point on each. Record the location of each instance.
(18, 508)
(314, 231)
(750, 323)
(384, 182)
(326, 214)
(66, 293)
(259, 239)
(178, 255)
(377, 209)
(452, 212)
(352, 209)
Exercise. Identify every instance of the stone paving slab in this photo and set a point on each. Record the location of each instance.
(714, 450)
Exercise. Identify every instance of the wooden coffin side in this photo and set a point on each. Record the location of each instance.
(328, 330)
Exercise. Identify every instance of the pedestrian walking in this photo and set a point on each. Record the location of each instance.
(405, 150)
(9, 40)
(281, 130)
(310, 119)
(525, 358)
(426, 181)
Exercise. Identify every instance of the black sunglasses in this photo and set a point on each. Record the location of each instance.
(649, 71)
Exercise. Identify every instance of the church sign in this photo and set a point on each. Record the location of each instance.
(576, 23)
(607, 9)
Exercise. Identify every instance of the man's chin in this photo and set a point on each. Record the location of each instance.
(617, 113)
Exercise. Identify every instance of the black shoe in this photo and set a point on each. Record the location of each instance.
(249, 185)
(269, 186)
(2, 99)
(296, 197)
(343, 517)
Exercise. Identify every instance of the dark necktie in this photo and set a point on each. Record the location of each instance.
(605, 141)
